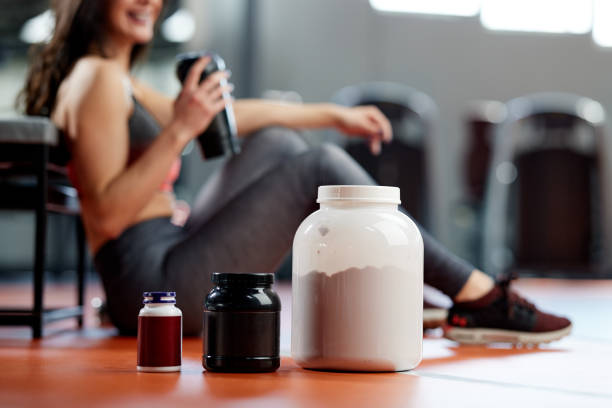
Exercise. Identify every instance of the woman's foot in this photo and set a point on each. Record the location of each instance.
(503, 316)
(477, 285)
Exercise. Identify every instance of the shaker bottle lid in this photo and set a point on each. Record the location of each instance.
(243, 279)
(186, 60)
(374, 194)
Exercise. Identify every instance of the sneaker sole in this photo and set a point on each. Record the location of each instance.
(434, 317)
(486, 336)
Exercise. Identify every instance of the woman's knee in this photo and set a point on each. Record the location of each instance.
(276, 141)
(336, 166)
(329, 152)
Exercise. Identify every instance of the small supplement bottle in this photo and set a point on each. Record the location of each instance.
(160, 333)
(357, 283)
(242, 324)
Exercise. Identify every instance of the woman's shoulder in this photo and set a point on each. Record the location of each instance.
(96, 65)
(94, 84)
(94, 78)
(94, 73)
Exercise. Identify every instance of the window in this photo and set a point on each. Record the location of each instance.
(544, 16)
(548, 16)
(602, 22)
(442, 7)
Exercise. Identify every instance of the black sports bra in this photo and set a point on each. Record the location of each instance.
(143, 129)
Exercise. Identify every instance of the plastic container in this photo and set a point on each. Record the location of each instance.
(357, 283)
(160, 333)
(242, 324)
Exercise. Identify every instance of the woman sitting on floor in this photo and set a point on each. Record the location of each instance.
(126, 139)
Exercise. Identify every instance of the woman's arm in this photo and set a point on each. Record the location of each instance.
(159, 104)
(113, 193)
(254, 114)
(362, 121)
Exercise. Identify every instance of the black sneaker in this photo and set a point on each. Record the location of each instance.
(503, 316)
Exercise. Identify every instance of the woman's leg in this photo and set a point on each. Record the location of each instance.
(260, 152)
(254, 229)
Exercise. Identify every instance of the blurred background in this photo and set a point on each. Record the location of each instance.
(498, 107)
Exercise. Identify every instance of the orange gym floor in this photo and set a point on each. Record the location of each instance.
(94, 367)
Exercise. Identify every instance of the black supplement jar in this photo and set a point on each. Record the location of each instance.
(220, 138)
(242, 324)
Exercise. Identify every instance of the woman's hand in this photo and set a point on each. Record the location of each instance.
(367, 122)
(198, 103)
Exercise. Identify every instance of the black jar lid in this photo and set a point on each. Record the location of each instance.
(243, 279)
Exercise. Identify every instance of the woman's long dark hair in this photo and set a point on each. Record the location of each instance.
(79, 27)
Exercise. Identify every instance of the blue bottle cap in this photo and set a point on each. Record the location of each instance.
(159, 297)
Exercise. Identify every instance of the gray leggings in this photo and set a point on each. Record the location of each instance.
(243, 220)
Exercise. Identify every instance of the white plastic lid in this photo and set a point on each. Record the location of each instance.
(374, 194)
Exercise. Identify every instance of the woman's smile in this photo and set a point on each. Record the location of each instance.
(134, 19)
(141, 18)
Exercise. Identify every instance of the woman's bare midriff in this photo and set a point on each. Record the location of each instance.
(160, 206)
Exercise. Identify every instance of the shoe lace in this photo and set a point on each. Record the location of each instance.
(512, 297)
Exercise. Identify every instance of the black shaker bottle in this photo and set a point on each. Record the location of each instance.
(220, 138)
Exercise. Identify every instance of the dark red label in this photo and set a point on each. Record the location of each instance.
(159, 341)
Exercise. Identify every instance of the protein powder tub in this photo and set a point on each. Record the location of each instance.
(357, 283)
(242, 324)
(160, 333)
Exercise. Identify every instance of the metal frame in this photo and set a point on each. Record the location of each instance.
(497, 195)
(38, 198)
